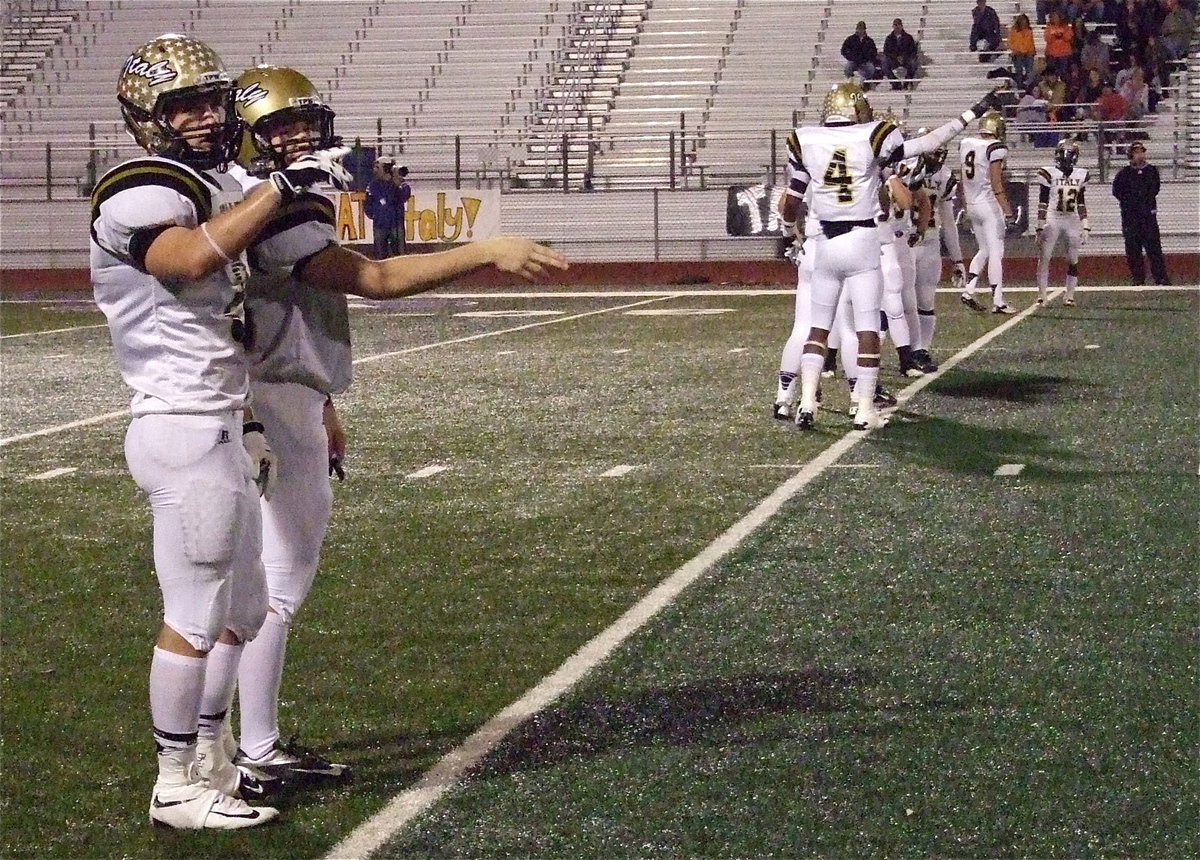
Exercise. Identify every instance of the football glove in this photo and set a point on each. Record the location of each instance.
(794, 252)
(959, 279)
(262, 456)
(324, 165)
(336, 468)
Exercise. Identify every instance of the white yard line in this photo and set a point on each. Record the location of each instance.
(427, 472)
(52, 331)
(109, 416)
(618, 472)
(452, 767)
(53, 473)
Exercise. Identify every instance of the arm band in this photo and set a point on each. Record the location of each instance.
(213, 243)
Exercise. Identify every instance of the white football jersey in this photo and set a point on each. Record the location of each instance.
(841, 164)
(177, 344)
(1066, 191)
(301, 334)
(939, 186)
(976, 155)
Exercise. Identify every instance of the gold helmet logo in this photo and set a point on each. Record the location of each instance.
(845, 103)
(273, 101)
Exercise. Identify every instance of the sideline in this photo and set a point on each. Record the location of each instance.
(453, 766)
(109, 416)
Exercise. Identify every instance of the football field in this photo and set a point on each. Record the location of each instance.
(583, 598)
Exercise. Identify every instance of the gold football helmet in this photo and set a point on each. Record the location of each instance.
(933, 160)
(268, 98)
(992, 123)
(165, 75)
(845, 103)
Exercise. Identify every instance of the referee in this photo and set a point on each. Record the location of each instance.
(1136, 187)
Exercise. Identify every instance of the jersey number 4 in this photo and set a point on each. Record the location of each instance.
(838, 175)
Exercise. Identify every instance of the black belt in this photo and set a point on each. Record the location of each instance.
(833, 229)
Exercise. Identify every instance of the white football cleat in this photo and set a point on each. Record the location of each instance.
(194, 806)
(871, 420)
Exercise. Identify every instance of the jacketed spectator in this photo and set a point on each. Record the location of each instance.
(1095, 12)
(1022, 49)
(900, 56)
(1176, 30)
(1092, 87)
(1154, 60)
(986, 32)
(1059, 39)
(861, 54)
(1053, 90)
(400, 178)
(1136, 93)
(1094, 54)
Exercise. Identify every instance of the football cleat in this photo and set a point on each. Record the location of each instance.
(1003, 309)
(805, 420)
(784, 411)
(970, 302)
(911, 370)
(1070, 303)
(871, 421)
(884, 398)
(296, 766)
(924, 360)
(195, 806)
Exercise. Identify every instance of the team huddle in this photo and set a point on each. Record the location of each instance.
(224, 287)
(876, 208)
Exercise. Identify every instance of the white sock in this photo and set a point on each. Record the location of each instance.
(864, 387)
(258, 687)
(998, 296)
(1072, 283)
(928, 323)
(176, 684)
(219, 678)
(811, 365)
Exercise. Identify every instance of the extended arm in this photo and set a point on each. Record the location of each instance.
(342, 270)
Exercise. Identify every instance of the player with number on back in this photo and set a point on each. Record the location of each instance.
(300, 358)
(940, 184)
(982, 187)
(1062, 212)
(168, 238)
(842, 158)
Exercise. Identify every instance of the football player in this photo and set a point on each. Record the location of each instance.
(801, 253)
(902, 192)
(939, 184)
(841, 159)
(300, 357)
(982, 188)
(168, 267)
(1062, 212)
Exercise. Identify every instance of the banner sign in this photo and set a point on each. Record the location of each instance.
(430, 217)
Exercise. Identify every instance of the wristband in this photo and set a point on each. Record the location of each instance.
(213, 243)
(252, 427)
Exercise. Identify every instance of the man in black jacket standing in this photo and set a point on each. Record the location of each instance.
(1136, 187)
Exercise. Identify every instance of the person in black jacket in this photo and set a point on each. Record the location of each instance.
(861, 54)
(900, 56)
(1136, 188)
(986, 32)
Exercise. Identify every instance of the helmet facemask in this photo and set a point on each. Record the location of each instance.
(319, 135)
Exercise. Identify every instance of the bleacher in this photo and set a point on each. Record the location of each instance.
(682, 94)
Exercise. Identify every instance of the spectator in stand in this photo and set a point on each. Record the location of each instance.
(1136, 187)
(1022, 49)
(1176, 30)
(1031, 110)
(1072, 11)
(1094, 54)
(861, 54)
(1092, 87)
(1059, 43)
(1053, 91)
(1095, 12)
(986, 32)
(1111, 108)
(1137, 94)
(1130, 24)
(900, 56)
(1126, 72)
(1154, 60)
(1073, 83)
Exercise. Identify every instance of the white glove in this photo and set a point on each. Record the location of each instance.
(262, 456)
(1083, 237)
(959, 279)
(324, 165)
